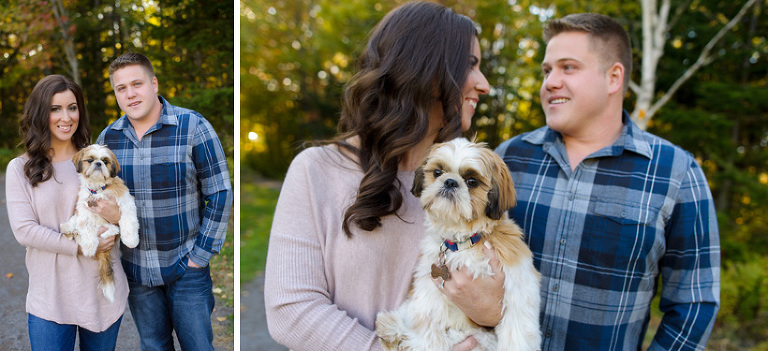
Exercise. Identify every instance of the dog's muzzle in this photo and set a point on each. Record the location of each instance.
(449, 188)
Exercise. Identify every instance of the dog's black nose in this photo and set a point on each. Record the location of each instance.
(451, 183)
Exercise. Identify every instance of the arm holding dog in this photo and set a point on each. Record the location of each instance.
(308, 284)
(479, 298)
(105, 244)
(24, 221)
(107, 208)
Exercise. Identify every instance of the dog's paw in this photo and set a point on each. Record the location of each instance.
(130, 241)
(129, 234)
(129, 229)
(67, 229)
(389, 329)
(112, 230)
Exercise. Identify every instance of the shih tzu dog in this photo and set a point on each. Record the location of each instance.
(97, 168)
(465, 190)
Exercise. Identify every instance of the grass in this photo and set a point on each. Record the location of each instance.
(257, 206)
(223, 276)
(222, 270)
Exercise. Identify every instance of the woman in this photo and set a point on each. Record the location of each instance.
(346, 231)
(41, 189)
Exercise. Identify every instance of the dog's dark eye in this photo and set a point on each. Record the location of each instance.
(437, 173)
(472, 182)
(90, 160)
(106, 161)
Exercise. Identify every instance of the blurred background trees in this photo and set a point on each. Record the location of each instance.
(191, 45)
(297, 55)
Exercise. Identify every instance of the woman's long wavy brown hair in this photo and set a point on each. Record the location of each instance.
(34, 126)
(418, 51)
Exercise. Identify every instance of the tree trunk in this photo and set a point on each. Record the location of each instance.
(62, 19)
(655, 26)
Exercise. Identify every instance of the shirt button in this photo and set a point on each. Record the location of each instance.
(571, 195)
(555, 288)
(562, 241)
(547, 334)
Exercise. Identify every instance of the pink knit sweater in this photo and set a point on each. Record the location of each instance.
(322, 289)
(63, 287)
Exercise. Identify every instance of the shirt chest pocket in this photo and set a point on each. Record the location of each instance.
(169, 171)
(618, 236)
(172, 158)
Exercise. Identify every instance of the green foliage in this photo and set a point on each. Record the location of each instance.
(295, 58)
(257, 207)
(6, 155)
(191, 44)
(744, 308)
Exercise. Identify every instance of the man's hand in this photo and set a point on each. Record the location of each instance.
(104, 244)
(481, 299)
(106, 208)
(192, 264)
(467, 345)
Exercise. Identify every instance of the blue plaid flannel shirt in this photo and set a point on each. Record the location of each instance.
(179, 177)
(602, 234)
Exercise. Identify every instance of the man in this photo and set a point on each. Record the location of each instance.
(607, 206)
(174, 165)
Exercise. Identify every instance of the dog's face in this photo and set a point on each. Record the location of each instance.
(464, 182)
(96, 163)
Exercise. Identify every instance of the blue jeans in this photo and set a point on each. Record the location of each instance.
(184, 306)
(46, 335)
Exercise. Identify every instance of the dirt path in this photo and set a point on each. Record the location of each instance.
(254, 335)
(13, 290)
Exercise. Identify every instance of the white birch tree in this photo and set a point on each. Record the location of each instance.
(656, 24)
(62, 19)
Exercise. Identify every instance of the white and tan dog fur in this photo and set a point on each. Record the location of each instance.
(97, 167)
(466, 189)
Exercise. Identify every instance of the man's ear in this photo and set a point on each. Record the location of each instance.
(615, 76)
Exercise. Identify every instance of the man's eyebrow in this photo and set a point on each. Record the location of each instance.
(133, 81)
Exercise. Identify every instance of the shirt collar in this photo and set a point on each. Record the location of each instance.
(632, 139)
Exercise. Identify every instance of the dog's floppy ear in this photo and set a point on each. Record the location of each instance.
(78, 160)
(418, 182)
(501, 196)
(114, 166)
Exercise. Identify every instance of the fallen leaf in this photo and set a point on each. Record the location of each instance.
(9, 275)
(221, 319)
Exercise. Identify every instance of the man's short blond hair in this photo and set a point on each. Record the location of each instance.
(128, 59)
(607, 38)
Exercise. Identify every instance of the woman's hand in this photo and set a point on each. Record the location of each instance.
(104, 244)
(106, 208)
(480, 299)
